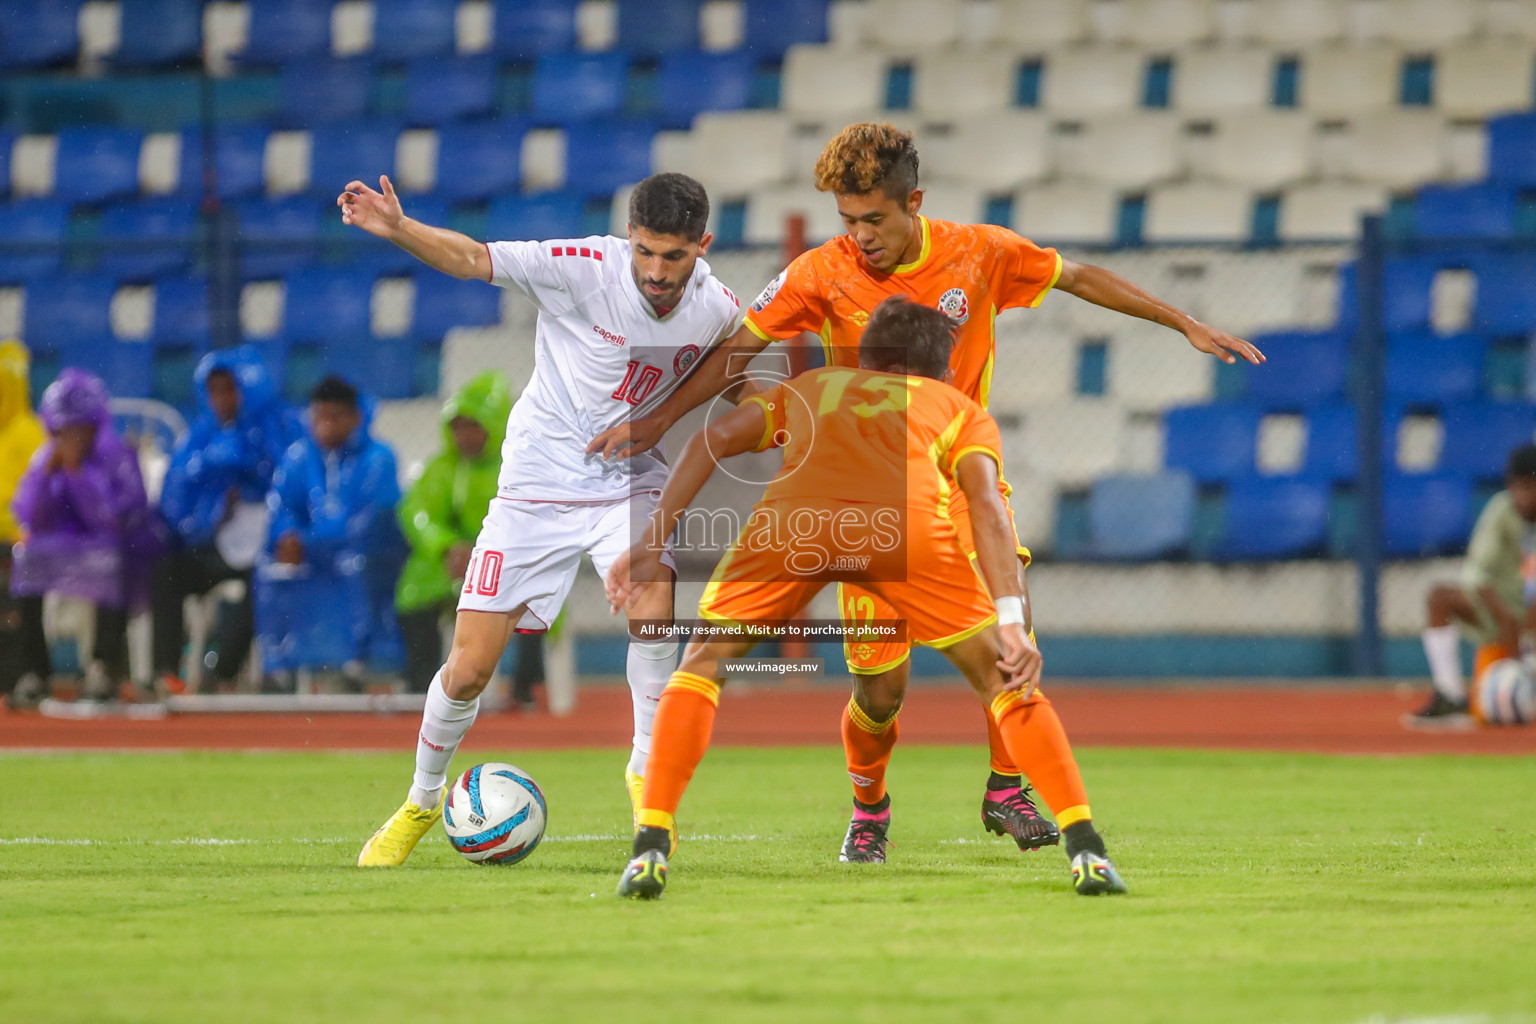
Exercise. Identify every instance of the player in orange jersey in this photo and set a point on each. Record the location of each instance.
(967, 271)
(889, 440)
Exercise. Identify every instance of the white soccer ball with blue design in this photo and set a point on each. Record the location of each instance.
(1505, 693)
(495, 814)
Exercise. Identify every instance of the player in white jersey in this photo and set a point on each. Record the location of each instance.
(620, 322)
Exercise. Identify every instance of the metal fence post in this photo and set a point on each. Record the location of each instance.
(1368, 389)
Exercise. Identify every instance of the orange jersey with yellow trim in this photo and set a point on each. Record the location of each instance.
(865, 437)
(968, 271)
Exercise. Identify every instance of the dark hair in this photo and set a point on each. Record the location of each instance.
(670, 204)
(334, 389)
(1522, 462)
(868, 156)
(906, 337)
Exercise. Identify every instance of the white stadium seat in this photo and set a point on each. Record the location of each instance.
(769, 208)
(542, 159)
(1036, 362)
(1075, 441)
(1265, 149)
(1092, 81)
(1066, 212)
(1509, 19)
(1328, 209)
(1222, 79)
(160, 163)
(913, 26)
(1298, 22)
(1429, 23)
(953, 83)
(1340, 81)
(733, 154)
(33, 160)
(953, 201)
(1130, 151)
(1479, 79)
(1167, 23)
(825, 80)
(285, 163)
(1033, 498)
(1151, 368)
(1037, 26)
(998, 151)
(1205, 210)
(1396, 148)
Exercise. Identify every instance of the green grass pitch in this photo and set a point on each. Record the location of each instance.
(1264, 888)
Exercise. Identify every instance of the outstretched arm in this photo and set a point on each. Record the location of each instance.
(976, 473)
(1108, 289)
(379, 213)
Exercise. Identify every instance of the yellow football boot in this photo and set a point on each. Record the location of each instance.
(397, 837)
(636, 786)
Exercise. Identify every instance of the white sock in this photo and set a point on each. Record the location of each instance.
(444, 721)
(649, 669)
(1442, 646)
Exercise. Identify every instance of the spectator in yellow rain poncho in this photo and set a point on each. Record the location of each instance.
(21, 433)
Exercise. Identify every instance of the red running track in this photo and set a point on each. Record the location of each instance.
(1338, 720)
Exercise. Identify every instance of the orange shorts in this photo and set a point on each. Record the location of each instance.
(857, 603)
(927, 580)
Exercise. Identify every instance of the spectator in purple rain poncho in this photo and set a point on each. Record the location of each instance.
(87, 532)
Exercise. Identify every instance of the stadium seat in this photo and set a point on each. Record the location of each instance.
(409, 29)
(440, 89)
(1080, 82)
(351, 247)
(1157, 24)
(689, 81)
(1423, 367)
(68, 308)
(1512, 149)
(181, 312)
(1333, 443)
(37, 33)
(529, 29)
(1327, 210)
(768, 209)
(828, 80)
(1264, 149)
(1066, 212)
(733, 154)
(238, 153)
(957, 83)
(148, 238)
(998, 151)
(443, 303)
(382, 367)
(577, 86)
(1141, 517)
(1150, 368)
(287, 30)
(1298, 22)
(321, 304)
(1208, 211)
(477, 161)
(1480, 79)
(1302, 368)
(650, 28)
(1274, 518)
(1480, 436)
(96, 164)
(538, 216)
(1213, 443)
(1506, 300)
(771, 27)
(1425, 514)
(341, 153)
(1073, 442)
(7, 140)
(154, 33)
(31, 231)
(276, 236)
(1428, 23)
(1222, 79)
(1347, 81)
(319, 92)
(1479, 210)
(909, 27)
(603, 156)
(1131, 151)
(1041, 26)
(126, 366)
(1407, 283)
(1397, 148)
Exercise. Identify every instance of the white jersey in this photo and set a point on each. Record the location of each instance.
(601, 357)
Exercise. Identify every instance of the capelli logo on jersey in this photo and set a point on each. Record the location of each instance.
(616, 340)
(954, 305)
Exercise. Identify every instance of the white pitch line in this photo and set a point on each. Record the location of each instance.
(303, 841)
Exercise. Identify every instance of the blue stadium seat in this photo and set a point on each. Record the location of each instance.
(319, 92)
(1274, 518)
(1213, 443)
(407, 29)
(1480, 436)
(382, 367)
(354, 151)
(358, 249)
(576, 86)
(30, 233)
(155, 33)
(276, 236)
(1302, 368)
(538, 216)
(36, 33)
(477, 161)
(1139, 517)
(181, 312)
(1426, 368)
(772, 26)
(688, 82)
(449, 89)
(653, 27)
(1406, 285)
(444, 302)
(96, 164)
(1506, 294)
(126, 366)
(147, 238)
(1479, 210)
(7, 140)
(69, 308)
(528, 29)
(1427, 514)
(1333, 442)
(322, 304)
(287, 30)
(238, 153)
(603, 156)
(1512, 149)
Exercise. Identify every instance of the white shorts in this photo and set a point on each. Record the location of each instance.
(528, 552)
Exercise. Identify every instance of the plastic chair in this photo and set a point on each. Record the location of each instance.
(36, 33)
(1333, 442)
(126, 366)
(96, 164)
(382, 367)
(655, 27)
(690, 82)
(539, 216)
(1480, 436)
(603, 156)
(478, 161)
(276, 236)
(1423, 367)
(31, 233)
(528, 29)
(147, 238)
(1274, 518)
(450, 89)
(238, 153)
(772, 26)
(65, 309)
(443, 303)
(1427, 514)
(287, 30)
(181, 312)
(317, 92)
(1506, 298)
(362, 251)
(341, 153)
(155, 33)
(408, 29)
(1480, 210)
(1512, 149)
(323, 304)
(1302, 368)
(1141, 517)
(575, 86)
(1213, 443)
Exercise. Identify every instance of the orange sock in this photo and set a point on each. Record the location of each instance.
(1038, 744)
(867, 745)
(1001, 762)
(685, 716)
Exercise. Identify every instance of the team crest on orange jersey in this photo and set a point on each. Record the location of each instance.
(859, 317)
(954, 305)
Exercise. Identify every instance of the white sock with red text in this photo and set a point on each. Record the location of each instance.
(648, 668)
(444, 721)
(1442, 648)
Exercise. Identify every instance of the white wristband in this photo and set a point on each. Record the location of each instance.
(1010, 610)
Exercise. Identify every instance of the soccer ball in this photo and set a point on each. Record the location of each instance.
(495, 814)
(1505, 694)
